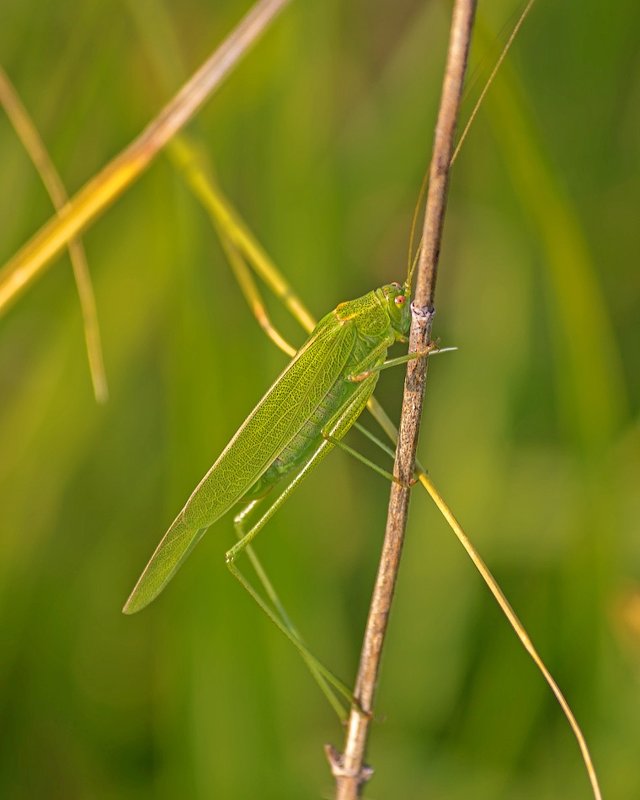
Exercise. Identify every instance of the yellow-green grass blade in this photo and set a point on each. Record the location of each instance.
(119, 174)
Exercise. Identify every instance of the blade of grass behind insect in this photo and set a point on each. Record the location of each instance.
(154, 24)
(236, 230)
(515, 623)
(102, 190)
(33, 144)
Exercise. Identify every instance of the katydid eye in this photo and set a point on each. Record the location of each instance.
(399, 301)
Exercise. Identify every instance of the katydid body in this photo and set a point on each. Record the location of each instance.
(308, 409)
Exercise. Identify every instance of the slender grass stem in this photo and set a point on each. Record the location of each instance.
(28, 134)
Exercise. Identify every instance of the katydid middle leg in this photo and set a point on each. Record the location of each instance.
(364, 460)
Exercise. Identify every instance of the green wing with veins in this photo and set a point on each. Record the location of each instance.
(272, 424)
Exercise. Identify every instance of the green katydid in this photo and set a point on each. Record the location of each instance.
(305, 413)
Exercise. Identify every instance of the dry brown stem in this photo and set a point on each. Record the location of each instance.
(348, 767)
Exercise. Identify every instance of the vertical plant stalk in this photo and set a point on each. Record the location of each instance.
(348, 767)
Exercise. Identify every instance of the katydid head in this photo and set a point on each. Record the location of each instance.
(396, 300)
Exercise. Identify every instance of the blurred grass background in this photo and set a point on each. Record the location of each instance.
(532, 430)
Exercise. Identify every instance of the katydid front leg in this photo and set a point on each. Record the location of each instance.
(395, 362)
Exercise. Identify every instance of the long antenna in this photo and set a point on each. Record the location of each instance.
(413, 256)
(491, 78)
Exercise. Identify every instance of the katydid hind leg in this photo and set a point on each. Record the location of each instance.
(267, 585)
(248, 537)
(335, 429)
(317, 670)
(281, 623)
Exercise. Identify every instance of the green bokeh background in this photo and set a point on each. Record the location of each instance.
(531, 431)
